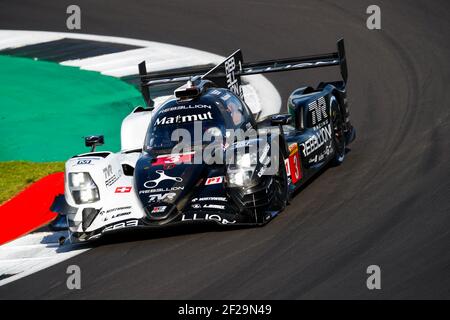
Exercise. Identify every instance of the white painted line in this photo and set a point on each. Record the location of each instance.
(11, 39)
(34, 252)
(263, 96)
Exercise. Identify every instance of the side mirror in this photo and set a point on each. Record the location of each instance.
(281, 119)
(94, 141)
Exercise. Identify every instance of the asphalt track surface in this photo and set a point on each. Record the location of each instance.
(388, 204)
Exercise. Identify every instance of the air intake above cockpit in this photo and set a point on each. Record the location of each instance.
(192, 89)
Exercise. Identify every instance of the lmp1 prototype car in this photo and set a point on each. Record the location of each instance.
(198, 162)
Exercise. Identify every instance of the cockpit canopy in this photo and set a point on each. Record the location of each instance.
(197, 120)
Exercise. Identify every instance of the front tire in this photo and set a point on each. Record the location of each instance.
(281, 186)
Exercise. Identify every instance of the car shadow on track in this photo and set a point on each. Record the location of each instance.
(317, 175)
(163, 232)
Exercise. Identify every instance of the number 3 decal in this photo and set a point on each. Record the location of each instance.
(294, 163)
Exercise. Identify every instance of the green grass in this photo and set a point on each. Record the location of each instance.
(17, 175)
(54, 106)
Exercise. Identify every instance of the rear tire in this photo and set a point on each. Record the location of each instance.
(337, 119)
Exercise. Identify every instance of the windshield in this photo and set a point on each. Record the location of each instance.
(189, 125)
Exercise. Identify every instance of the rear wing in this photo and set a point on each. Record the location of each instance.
(228, 73)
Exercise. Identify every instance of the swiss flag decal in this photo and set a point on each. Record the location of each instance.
(123, 189)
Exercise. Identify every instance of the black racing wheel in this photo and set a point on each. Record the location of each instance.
(281, 187)
(337, 119)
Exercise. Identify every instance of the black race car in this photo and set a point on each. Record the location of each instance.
(206, 158)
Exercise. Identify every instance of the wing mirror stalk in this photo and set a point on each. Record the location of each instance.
(94, 141)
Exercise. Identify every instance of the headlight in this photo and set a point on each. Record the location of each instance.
(241, 174)
(83, 188)
(240, 177)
